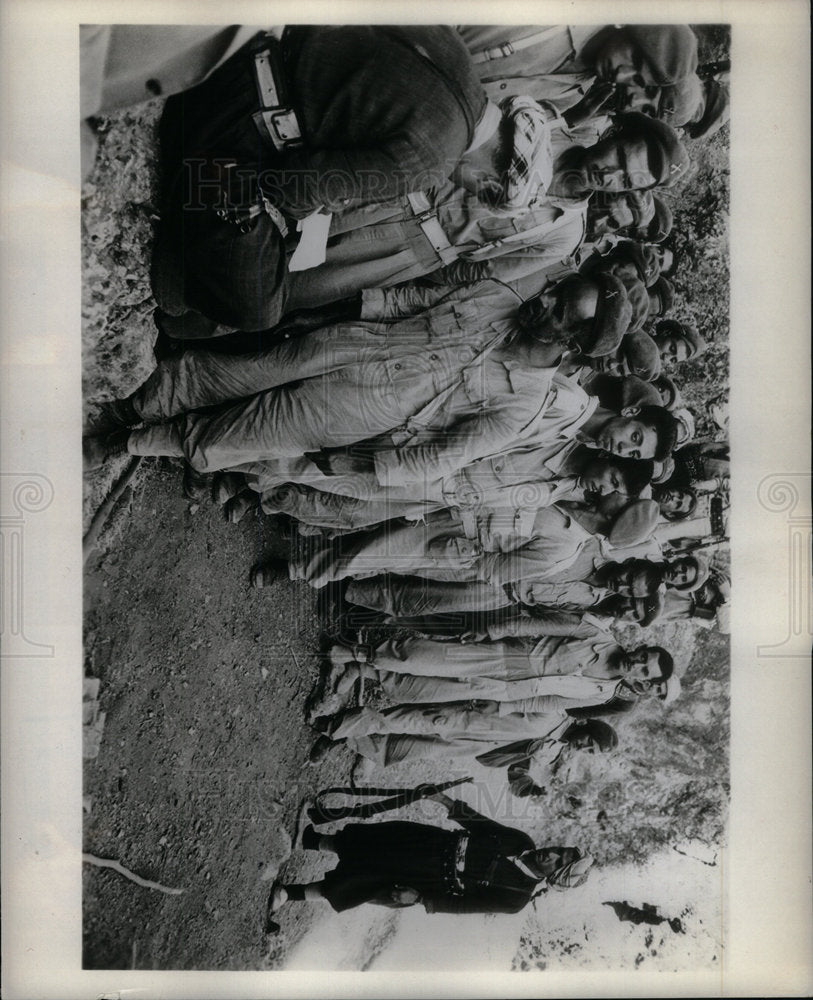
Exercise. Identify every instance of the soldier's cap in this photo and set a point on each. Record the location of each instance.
(648, 609)
(644, 259)
(680, 102)
(641, 354)
(636, 392)
(664, 291)
(650, 265)
(662, 221)
(685, 425)
(635, 523)
(715, 112)
(647, 577)
(638, 297)
(673, 689)
(613, 315)
(686, 331)
(664, 470)
(666, 154)
(670, 50)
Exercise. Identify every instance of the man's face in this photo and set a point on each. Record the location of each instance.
(641, 664)
(618, 578)
(607, 363)
(681, 573)
(559, 313)
(665, 257)
(638, 95)
(601, 476)
(655, 687)
(617, 164)
(618, 215)
(621, 213)
(672, 349)
(619, 60)
(674, 501)
(548, 859)
(611, 364)
(627, 437)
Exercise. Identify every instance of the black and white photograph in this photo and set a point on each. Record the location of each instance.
(403, 623)
(406, 379)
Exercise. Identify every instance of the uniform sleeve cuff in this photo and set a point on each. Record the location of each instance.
(372, 303)
(387, 468)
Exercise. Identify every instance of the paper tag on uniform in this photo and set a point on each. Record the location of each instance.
(311, 250)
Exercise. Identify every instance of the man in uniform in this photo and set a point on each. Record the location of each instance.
(463, 729)
(569, 568)
(328, 119)
(678, 342)
(562, 63)
(480, 867)
(413, 670)
(521, 481)
(450, 382)
(386, 244)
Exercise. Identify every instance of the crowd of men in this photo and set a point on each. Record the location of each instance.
(416, 293)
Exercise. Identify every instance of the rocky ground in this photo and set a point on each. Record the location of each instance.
(203, 761)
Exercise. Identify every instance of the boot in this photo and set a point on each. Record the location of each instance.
(97, 450)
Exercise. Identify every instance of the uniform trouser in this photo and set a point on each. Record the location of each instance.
(199, 379)
(393, 749)
(334, 410)
(504, 660)
(336, 513)
(404, 596)
(460, 720)
(230, 280)
(407, 689)
(439, 730)
(437, 550)
(209, 146)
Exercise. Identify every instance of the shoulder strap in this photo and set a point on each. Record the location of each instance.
(523, 237)
(509, 48)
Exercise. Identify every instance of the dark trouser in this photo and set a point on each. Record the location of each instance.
(376, 858)
(203, 263)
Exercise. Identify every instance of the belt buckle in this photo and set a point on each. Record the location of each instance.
(425, 215)
(283, 127)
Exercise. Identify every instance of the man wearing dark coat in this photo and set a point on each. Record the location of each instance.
(356, 115)
(484, 867)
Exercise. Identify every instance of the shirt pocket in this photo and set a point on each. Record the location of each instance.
(455, 551)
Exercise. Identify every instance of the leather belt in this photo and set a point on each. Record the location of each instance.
(276, 119)
(428, 220)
